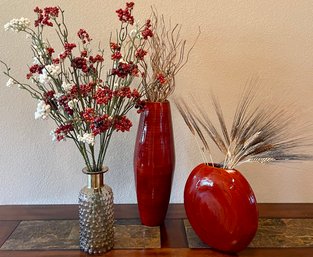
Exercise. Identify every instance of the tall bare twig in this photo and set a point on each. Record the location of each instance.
(167, 56)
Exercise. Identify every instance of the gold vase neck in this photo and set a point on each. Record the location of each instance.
(95, 180)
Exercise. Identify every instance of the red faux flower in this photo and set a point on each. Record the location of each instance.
(103, 95)
(68, 50)
(84, 36)
(36, 68)
(135, 71)
(161, 79)
(83, 53)
(51, 11)
(140, 54)
(45, 15)
(69, 47)
(122, 124)
(123, 92)
(116, 56)
(140, 105)
(85, 89)
(147, 32)
(89, 115)
(80, 63)
(115, 46)
(123, 69)
(63, 101)
(135, 94)
(50, 51)
(62, 131)
(98, 58)
(125, 15)
(130, 5)
(56, 61)
(48, 97)
(101, 124)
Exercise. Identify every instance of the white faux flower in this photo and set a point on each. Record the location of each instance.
(57, 137)
(72, 103)
(66, 86)
(122, 60)
(44, 78)
(42, 111)
(36, 60)
(135, 33)
(57, 96)
(88, 138)
(49, 72)
(10, 82)
(53, 70)
(40, 46)
(54, 136)
(17, 25)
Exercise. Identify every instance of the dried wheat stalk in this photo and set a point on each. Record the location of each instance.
(258, 134)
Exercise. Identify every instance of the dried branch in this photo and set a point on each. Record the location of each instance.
(167, 56)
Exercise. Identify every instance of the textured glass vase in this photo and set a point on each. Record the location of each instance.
(96, 214)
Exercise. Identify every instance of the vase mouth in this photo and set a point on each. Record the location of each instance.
(102, 171)
(214, 165)
(218, 166)
(158, 102)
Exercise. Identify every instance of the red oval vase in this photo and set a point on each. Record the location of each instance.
(221, 207)
(154, 162)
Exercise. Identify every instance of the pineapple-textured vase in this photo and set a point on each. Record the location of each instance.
(96, 214)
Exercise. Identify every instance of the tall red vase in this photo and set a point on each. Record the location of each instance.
(154, 162)
(221, 207)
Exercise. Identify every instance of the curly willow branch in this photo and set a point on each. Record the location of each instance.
(167, 56)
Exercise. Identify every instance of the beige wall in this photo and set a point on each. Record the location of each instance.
(273, 39)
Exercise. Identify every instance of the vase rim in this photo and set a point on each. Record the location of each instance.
(163, 102)
(102, 171)
(218, 166)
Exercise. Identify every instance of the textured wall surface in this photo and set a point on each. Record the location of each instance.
(273, 39)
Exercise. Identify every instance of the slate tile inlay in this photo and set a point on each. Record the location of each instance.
(276, 233)
(64, 234)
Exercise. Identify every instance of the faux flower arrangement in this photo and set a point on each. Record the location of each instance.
(69, 86)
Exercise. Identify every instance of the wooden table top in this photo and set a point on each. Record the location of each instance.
(173, 237)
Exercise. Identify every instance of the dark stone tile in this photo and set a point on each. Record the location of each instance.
(193, 240)
(54, 234)
(64, 234)
(275, 233)
(136, 237)
(128, 222)
(284, 233)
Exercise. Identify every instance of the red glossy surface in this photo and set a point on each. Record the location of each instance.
(221, 207)
(154, 162)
